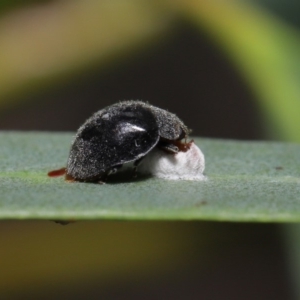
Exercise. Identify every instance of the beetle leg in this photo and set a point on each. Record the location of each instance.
(103, 178)
(168, 147)
(114, 169)
(135, 166)
(105, 175)
(174, 147)
(69, 178)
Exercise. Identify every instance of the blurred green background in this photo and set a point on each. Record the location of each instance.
(229, 69)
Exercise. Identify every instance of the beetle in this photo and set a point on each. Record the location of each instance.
(121, 133)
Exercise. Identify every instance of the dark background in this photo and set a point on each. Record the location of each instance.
(187, 75)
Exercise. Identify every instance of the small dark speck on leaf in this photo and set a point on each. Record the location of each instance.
(203, 202)
(279, 168)
(62, 222)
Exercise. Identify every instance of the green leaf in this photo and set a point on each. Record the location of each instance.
(246, 181)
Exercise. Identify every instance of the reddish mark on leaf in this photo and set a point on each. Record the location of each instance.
(56, 173)
(61, 172)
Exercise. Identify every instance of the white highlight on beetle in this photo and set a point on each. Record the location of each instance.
(127, 127)
(187, 165)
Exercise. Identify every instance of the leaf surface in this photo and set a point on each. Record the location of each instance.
(246, 181)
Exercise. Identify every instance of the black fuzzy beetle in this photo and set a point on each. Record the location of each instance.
(121, 133)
